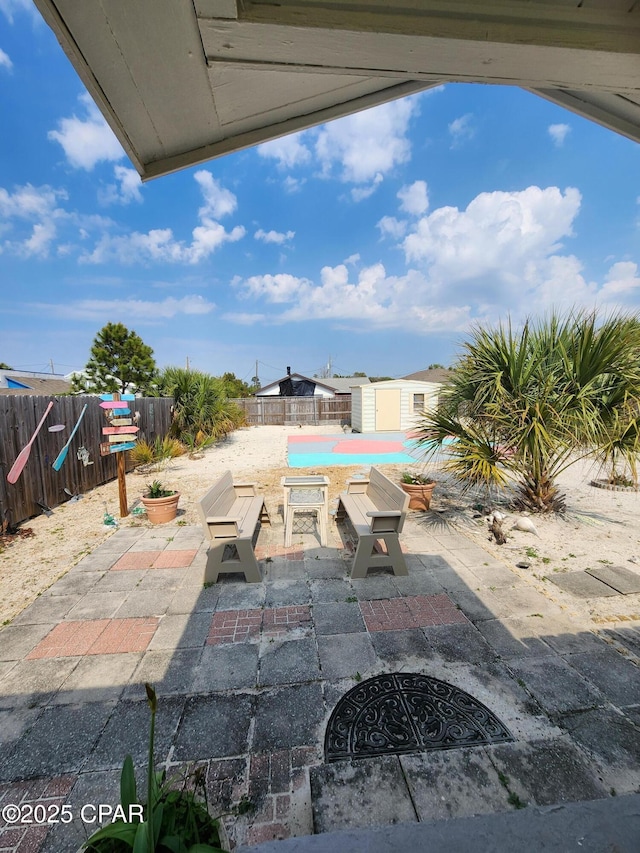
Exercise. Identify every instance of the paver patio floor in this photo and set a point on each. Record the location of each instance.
(248, 675)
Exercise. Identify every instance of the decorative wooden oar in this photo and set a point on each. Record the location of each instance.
(23, 456)
(57, 465)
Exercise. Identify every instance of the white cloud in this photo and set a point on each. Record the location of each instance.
(127, 189)
(558, 132)
(368, 143)
(135, 309)
(160, 246)
(293, 185)
(374, 299)
(496, 237)
(218, 201)
(414, 198)
(287, 151)
(358, 149)
(391, 227)
(274, 236)
(461, 130)
(38, 208)
(29, 202)
(243, 319)
(5, 61)
(504, 249)
(622, 283)
(360, 193)
(87, 140)
(273, 288)
(352, 259)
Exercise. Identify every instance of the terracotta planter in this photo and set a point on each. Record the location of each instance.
(161, 510)
(419, 494)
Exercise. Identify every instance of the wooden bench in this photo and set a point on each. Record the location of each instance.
(376, 508)
(230, 513)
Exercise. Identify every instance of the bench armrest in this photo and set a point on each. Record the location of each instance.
(223, 526)
(388, 521)
(357, 487)
(245, 490)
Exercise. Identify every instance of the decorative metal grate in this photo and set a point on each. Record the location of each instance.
(405, 712)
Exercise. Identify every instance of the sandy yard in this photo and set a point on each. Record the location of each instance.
(600, 527)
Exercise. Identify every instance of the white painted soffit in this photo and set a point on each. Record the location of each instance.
(184, 81)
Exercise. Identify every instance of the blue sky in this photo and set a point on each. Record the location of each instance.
(373, 242)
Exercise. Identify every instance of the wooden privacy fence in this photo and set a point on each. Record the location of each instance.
(83, 469)
(296, 410)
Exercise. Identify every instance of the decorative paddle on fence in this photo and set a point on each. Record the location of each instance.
(57, 465)
(23, 456)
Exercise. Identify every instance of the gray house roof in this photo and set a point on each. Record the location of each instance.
(435, 374)
(44, 387)
(183, 81)
(343, 384)
(339, 385)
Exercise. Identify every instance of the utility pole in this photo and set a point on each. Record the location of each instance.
(187, 362)
(51, 363)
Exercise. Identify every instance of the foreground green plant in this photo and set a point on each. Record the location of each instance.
(173, 820)
(157, 490)
(416, 479)
(162, 449)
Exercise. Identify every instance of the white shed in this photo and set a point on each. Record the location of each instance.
(394, 405)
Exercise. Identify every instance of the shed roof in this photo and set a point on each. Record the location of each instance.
(183, 81)
(433, 374)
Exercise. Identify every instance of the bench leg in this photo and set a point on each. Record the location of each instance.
(245, 562)
(367, 558)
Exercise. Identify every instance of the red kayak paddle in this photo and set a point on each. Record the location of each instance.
(23, 456)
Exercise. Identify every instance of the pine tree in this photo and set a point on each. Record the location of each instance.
(120, 362)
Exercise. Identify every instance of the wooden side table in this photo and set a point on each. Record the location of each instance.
(308, 493)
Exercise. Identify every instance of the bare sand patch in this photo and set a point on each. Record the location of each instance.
(600, 527)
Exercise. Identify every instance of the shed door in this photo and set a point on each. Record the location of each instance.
(388, 409)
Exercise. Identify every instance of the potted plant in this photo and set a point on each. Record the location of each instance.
(419, 487)
(174, 819)
(161, 504)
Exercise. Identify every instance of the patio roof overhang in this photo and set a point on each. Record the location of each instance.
(184, 81)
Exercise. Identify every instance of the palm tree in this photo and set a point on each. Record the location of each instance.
(524, 404)
(201, 406)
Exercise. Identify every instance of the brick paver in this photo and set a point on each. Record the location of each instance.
(174, 559)
(96, 637)
(136, 560)
(277, 621)
(234, 626)
(38, 800)
(417, 611)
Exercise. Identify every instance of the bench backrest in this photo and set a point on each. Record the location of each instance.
(387, 495)
(219, 499)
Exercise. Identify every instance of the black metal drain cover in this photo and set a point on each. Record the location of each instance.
(405, 712)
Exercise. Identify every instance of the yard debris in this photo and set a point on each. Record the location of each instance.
(495, 527)
(12, 534)
(526, 525)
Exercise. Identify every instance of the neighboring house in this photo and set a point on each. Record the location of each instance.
(25, 382)
(439, 375)
(393, 405)
(297, 385)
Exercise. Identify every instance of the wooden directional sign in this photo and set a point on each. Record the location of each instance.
(121, 405)
(120, 430)
(106, 449)
(121, 421)
(108, 397)
(115, 448)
